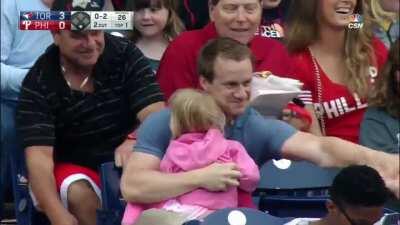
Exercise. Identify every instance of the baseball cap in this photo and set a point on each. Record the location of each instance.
(77, 5)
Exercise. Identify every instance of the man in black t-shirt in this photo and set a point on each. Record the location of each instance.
(78, 103)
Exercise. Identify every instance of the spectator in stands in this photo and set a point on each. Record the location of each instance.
(197, 125)
(386, 19)
(156, 24)
(194, 13)
(108, 5)
(226, 71)
(357, 196)
(119, 5)
(17, 56)
(238, 20)
(75, 110)
(337, 64)
(273, 16)
(380, 128)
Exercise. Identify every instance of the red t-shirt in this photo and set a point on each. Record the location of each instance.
(342, 110)
(178, 66)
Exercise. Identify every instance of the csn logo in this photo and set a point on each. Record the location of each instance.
(356, 21)
(271, 31)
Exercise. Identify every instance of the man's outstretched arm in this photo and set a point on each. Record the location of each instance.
(335, 152)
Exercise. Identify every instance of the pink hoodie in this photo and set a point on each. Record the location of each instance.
(197, 150)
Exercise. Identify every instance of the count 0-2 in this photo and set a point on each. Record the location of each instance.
(100, 16)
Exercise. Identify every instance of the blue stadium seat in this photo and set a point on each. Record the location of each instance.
(391, 219)
(19, 181)
(390, 211)
(286, 206)
(192, 222)
(112, 203)
(251, 216)
(298, 190)
(25, 212)
(3, 166)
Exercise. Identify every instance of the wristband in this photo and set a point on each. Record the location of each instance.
(300, 112)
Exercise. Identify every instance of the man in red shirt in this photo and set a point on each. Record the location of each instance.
(236, 19)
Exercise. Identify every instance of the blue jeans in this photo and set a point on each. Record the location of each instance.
(10, 146)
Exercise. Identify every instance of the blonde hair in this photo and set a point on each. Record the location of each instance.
(194, 111)
(378, 14)
(174, 24)
(358, 51)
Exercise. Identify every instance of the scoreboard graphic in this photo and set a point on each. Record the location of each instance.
(76, 20)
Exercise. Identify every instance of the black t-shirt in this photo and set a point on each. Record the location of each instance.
(85, 128)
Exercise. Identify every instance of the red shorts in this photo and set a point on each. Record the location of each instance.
(66, 173)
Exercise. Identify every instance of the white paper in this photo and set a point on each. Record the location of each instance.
(270, 95)
(271, 104)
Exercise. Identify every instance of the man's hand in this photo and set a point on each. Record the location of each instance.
(122, 153)
(219, 177)
(298, 123)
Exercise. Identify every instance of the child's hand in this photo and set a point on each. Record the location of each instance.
(219, 177)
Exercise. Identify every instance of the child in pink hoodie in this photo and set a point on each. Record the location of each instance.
(197, 124)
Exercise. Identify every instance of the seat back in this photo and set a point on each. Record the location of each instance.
(287, 206)
(286, 174)
(242, 216)
(112, 203)
(25, 212)
(294, 189)
(22, 201)
(3, 181)
(391, 219)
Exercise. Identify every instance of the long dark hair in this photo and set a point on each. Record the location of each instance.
(387, 91)
(303, 31)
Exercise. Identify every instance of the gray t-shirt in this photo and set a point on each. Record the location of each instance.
(380, 131)
(262, 138)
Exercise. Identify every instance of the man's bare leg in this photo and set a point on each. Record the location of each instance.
(83, 202)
